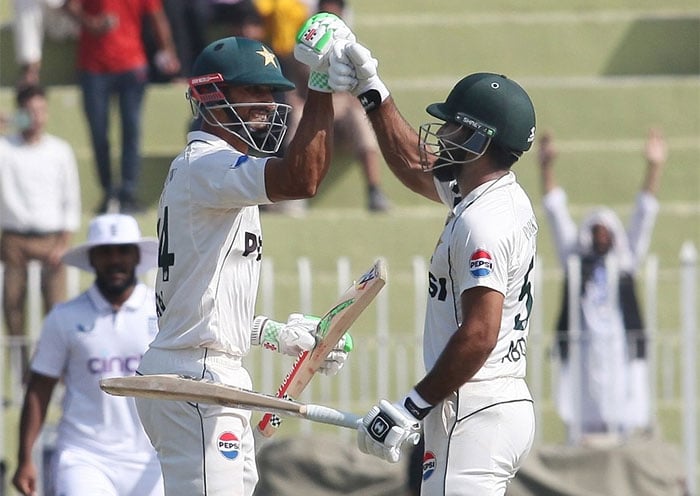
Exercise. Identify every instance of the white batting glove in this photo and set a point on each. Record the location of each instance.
(290, 338)
(313, 46)
(337, 357)
(386, 429)
(352, 68)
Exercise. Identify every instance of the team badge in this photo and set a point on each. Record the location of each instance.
(429, 463)
(480, 263)
(229, 445)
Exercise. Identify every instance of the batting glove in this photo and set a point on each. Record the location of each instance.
(313, 46)
(388, 427)
(352, 68)
(289, 338)
(338, 356)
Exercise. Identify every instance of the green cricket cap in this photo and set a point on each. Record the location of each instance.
(242, 62)
(495, 101)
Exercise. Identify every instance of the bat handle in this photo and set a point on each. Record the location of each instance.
(332, 416)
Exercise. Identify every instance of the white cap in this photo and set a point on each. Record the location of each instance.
(114, 229)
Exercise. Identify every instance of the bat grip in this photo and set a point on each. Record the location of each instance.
(332, 416)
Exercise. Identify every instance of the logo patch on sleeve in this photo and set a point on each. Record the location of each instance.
(429, 463)
(480, 263)
(228, 444)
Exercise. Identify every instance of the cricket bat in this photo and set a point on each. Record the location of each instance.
(330, 329)
(181, 388)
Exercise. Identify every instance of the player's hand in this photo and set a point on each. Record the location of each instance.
(25, 479)
(290, 338)
(352, 68)
(386, 429)
(338, 356)
(314, 42)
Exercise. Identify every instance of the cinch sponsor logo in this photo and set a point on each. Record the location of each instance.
(229, 445)
(480, 263)
(429, 463)
(102, 365)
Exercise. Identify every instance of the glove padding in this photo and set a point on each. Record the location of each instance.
(352, 68)
(385, 429)
(292, 338)
(337, 357)
(314, 42)
(298, 334)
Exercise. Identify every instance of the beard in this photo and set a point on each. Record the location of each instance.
(111, 288)
(444, 171)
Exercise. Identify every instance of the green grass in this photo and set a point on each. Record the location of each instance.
(599, 78)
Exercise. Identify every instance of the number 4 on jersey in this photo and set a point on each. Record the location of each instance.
(165, 258)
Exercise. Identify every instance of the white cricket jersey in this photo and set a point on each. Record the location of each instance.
(489, 240)
(210, 247)
(84, 340)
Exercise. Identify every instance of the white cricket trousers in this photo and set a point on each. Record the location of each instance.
(204, 450)
(478, 451)
(78, 472)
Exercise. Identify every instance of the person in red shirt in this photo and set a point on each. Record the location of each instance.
(112, 60)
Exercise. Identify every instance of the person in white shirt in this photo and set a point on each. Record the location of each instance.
(101, 447)
(473, 404)
(614, 385)
(210, 256)
(40, 208)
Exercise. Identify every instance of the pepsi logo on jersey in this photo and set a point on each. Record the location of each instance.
(229, 445)
(429, 462)
(480, 263)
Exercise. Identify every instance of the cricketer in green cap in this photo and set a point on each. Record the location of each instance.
(240, 62)
(495, 109)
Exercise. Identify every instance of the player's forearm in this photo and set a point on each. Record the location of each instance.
(309, 153)
(31, 422)
(398, 142)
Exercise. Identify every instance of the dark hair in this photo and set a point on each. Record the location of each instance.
(26, 92)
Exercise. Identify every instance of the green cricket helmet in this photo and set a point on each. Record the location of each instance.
(236, 61)
(488, 108)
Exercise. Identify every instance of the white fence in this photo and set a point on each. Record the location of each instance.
(387, 359)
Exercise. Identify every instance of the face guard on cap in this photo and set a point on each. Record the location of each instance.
(266, 122)
(442, 144)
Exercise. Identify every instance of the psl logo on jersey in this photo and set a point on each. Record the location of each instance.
(229, 445)
(480, 263)
(429, 463)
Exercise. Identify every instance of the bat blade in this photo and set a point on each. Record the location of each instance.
(180, 388)
(331, 328)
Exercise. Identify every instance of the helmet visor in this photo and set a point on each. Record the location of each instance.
(261, 125)
(442, 144)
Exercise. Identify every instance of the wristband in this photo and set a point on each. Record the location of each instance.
(416, 405)
(372, 98)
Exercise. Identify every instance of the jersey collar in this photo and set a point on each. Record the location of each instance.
(505, 180)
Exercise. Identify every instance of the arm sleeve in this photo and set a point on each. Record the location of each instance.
(221, 183)
(642, 225)
(563, 226)
(51, 353)
(71, 190)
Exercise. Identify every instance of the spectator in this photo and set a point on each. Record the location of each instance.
(112, 60)
(188, 22)
(40, 206)
(353, 128)
(614, 376)
(101, 447)
(239, 18)
(32, 19)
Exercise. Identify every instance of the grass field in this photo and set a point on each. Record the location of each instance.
(599, 72)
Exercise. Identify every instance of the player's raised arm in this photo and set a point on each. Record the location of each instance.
(353, 69)
(307, 158)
